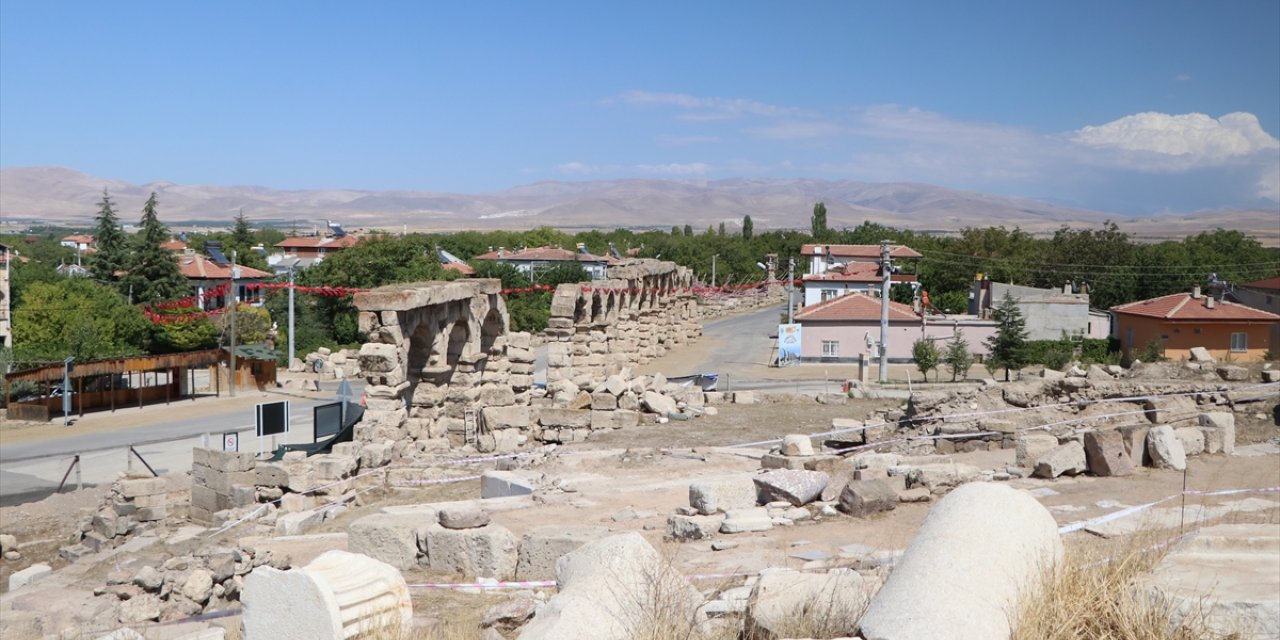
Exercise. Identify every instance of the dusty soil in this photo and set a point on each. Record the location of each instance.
(43, 527)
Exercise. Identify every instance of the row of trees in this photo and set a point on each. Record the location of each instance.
(1006, 348)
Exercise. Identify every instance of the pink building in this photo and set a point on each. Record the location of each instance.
(839, 329)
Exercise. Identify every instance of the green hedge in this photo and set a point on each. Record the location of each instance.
(1057, 353)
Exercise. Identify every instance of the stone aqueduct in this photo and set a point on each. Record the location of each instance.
(439, 349)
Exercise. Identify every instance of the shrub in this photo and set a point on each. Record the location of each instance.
(926, 355)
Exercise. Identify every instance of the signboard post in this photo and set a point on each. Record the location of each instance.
(273, 419)
(231, 441)
(788, 343)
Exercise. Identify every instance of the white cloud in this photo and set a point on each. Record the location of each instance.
(1180, 142)
(675, 169)
(795, 130)
(577, 168)
(703, 107)
(1182, 77)
(679, 140)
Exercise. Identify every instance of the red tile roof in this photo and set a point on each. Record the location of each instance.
(317, 242)
(857, 272)
(176, 246)
(858, 250)
(198, 267)
(856, 306)
(1181, 306)
(543, 254)
(1271, 284)
(79, 239)
(461, 267)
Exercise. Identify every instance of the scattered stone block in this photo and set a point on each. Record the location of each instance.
(794, 486)
(1064, 459)
(1033, 445)
(836, 598)
(1135, 444)
(971, 560)
(1165, 448)
(541, 547)
(746, 520)
(797, 445)
(655, 402)
(30, 575)
(684, 528)
(501, 484)
(1192, 439)
(1169, 408)
(1201, 354)
(489, 552)
(719, 495)
(463, 518)
(1106, 454)
(390, 537)
(338, 595)
(1224, 422)
(862, 498)
(744, 397)
(1233, 373)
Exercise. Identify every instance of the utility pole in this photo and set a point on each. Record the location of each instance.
(886, 273)
(290, 316)
(231, 292)
(713, 269)
(791, 285)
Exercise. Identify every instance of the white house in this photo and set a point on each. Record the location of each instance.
(535, 260)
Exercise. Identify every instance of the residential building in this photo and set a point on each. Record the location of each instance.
(206, 274)
(72, 270)
(315, 247)
(825, 257)
(850, 277)
(1049, 313)
(1181, 321)
(453, 263)
(174, 246)
(534, 261)
(1260, 294)
(845, 328)
(6, 329)
(80, 243)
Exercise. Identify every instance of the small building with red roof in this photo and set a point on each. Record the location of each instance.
(1259, 294)
(1182, 321)
(315, 247)
(845, 328)
(826, 257)
(206, 275)
(532, 261)
(81, 243)
(851, 277)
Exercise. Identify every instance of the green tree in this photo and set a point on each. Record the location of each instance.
(676, 231)
(957, 356)
(77, 317)
(722, 229)
(688, 231)
(241, 233)
(253, 325)
(818, 222)
(112, 243)
(926, 355)
(153, 272)
(748, 229)
(1007, 346)
(711, 231)
(187, 335)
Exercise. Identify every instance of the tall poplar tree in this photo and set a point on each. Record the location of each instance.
(153, 271)
(748, 229)
(111, 241)
(818, 223)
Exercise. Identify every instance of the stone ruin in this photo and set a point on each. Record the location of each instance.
(643, 310)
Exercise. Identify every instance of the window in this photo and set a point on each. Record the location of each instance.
(1128, 337)
(830, 348)
(828, 294)
(1240, 341)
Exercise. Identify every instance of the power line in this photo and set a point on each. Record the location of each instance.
(1032, 260)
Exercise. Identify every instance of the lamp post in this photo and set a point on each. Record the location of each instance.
(66, 390)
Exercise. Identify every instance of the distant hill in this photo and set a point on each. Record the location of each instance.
(67, 196)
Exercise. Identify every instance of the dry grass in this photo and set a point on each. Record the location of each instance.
(1095, 594)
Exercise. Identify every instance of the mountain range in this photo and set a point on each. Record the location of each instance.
(69, 197)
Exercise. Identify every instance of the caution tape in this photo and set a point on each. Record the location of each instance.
(1134, 510)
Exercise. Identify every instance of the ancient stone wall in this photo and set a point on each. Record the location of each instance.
(645, 308)
(435, 350)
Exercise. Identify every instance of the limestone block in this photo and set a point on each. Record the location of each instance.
(1165, 448)
(30, 575)
(1033, 445)
(1233, 373)
(1225, 422)
(552, 418)
(136, 487)
(655, 402)
(603, 401)
(337, 595)
(1106, 455)
(1201, 354)
(797, 445)
(862, 498)
(973, 560)
(390, 537)
(541, 547)
(614, 419)
(454, 517)
(719, 495)
(488, 552)
(1064, 459)
(496, 396)
(1135, 444)
(379, 358)
(501, 484)
(1192, 439)
(605, 586)
(939, 476)
(225, 461)
(514, 417)
(744, 397)
(330, 466)
(836, 598)
(799, 487)
(1168, 409)
(746, 520)
(684, 528)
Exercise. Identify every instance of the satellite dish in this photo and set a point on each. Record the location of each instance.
(761, 265)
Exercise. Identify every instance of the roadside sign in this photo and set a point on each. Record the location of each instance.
(327, 420)
(788, 342)
(344, 391)
(230, 441)
(273, 418)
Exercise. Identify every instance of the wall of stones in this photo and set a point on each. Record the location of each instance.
(220, 480)
(644, 309)
(435, 350)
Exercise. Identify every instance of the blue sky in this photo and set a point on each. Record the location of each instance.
(1123, 107)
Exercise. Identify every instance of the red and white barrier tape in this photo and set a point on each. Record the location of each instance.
(1129, 511)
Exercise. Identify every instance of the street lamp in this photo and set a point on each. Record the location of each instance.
(66, 390)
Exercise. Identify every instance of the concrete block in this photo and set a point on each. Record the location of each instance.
(541, 547)
(390, 538)
(488, 552)
(500, 484)
(719, 495)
